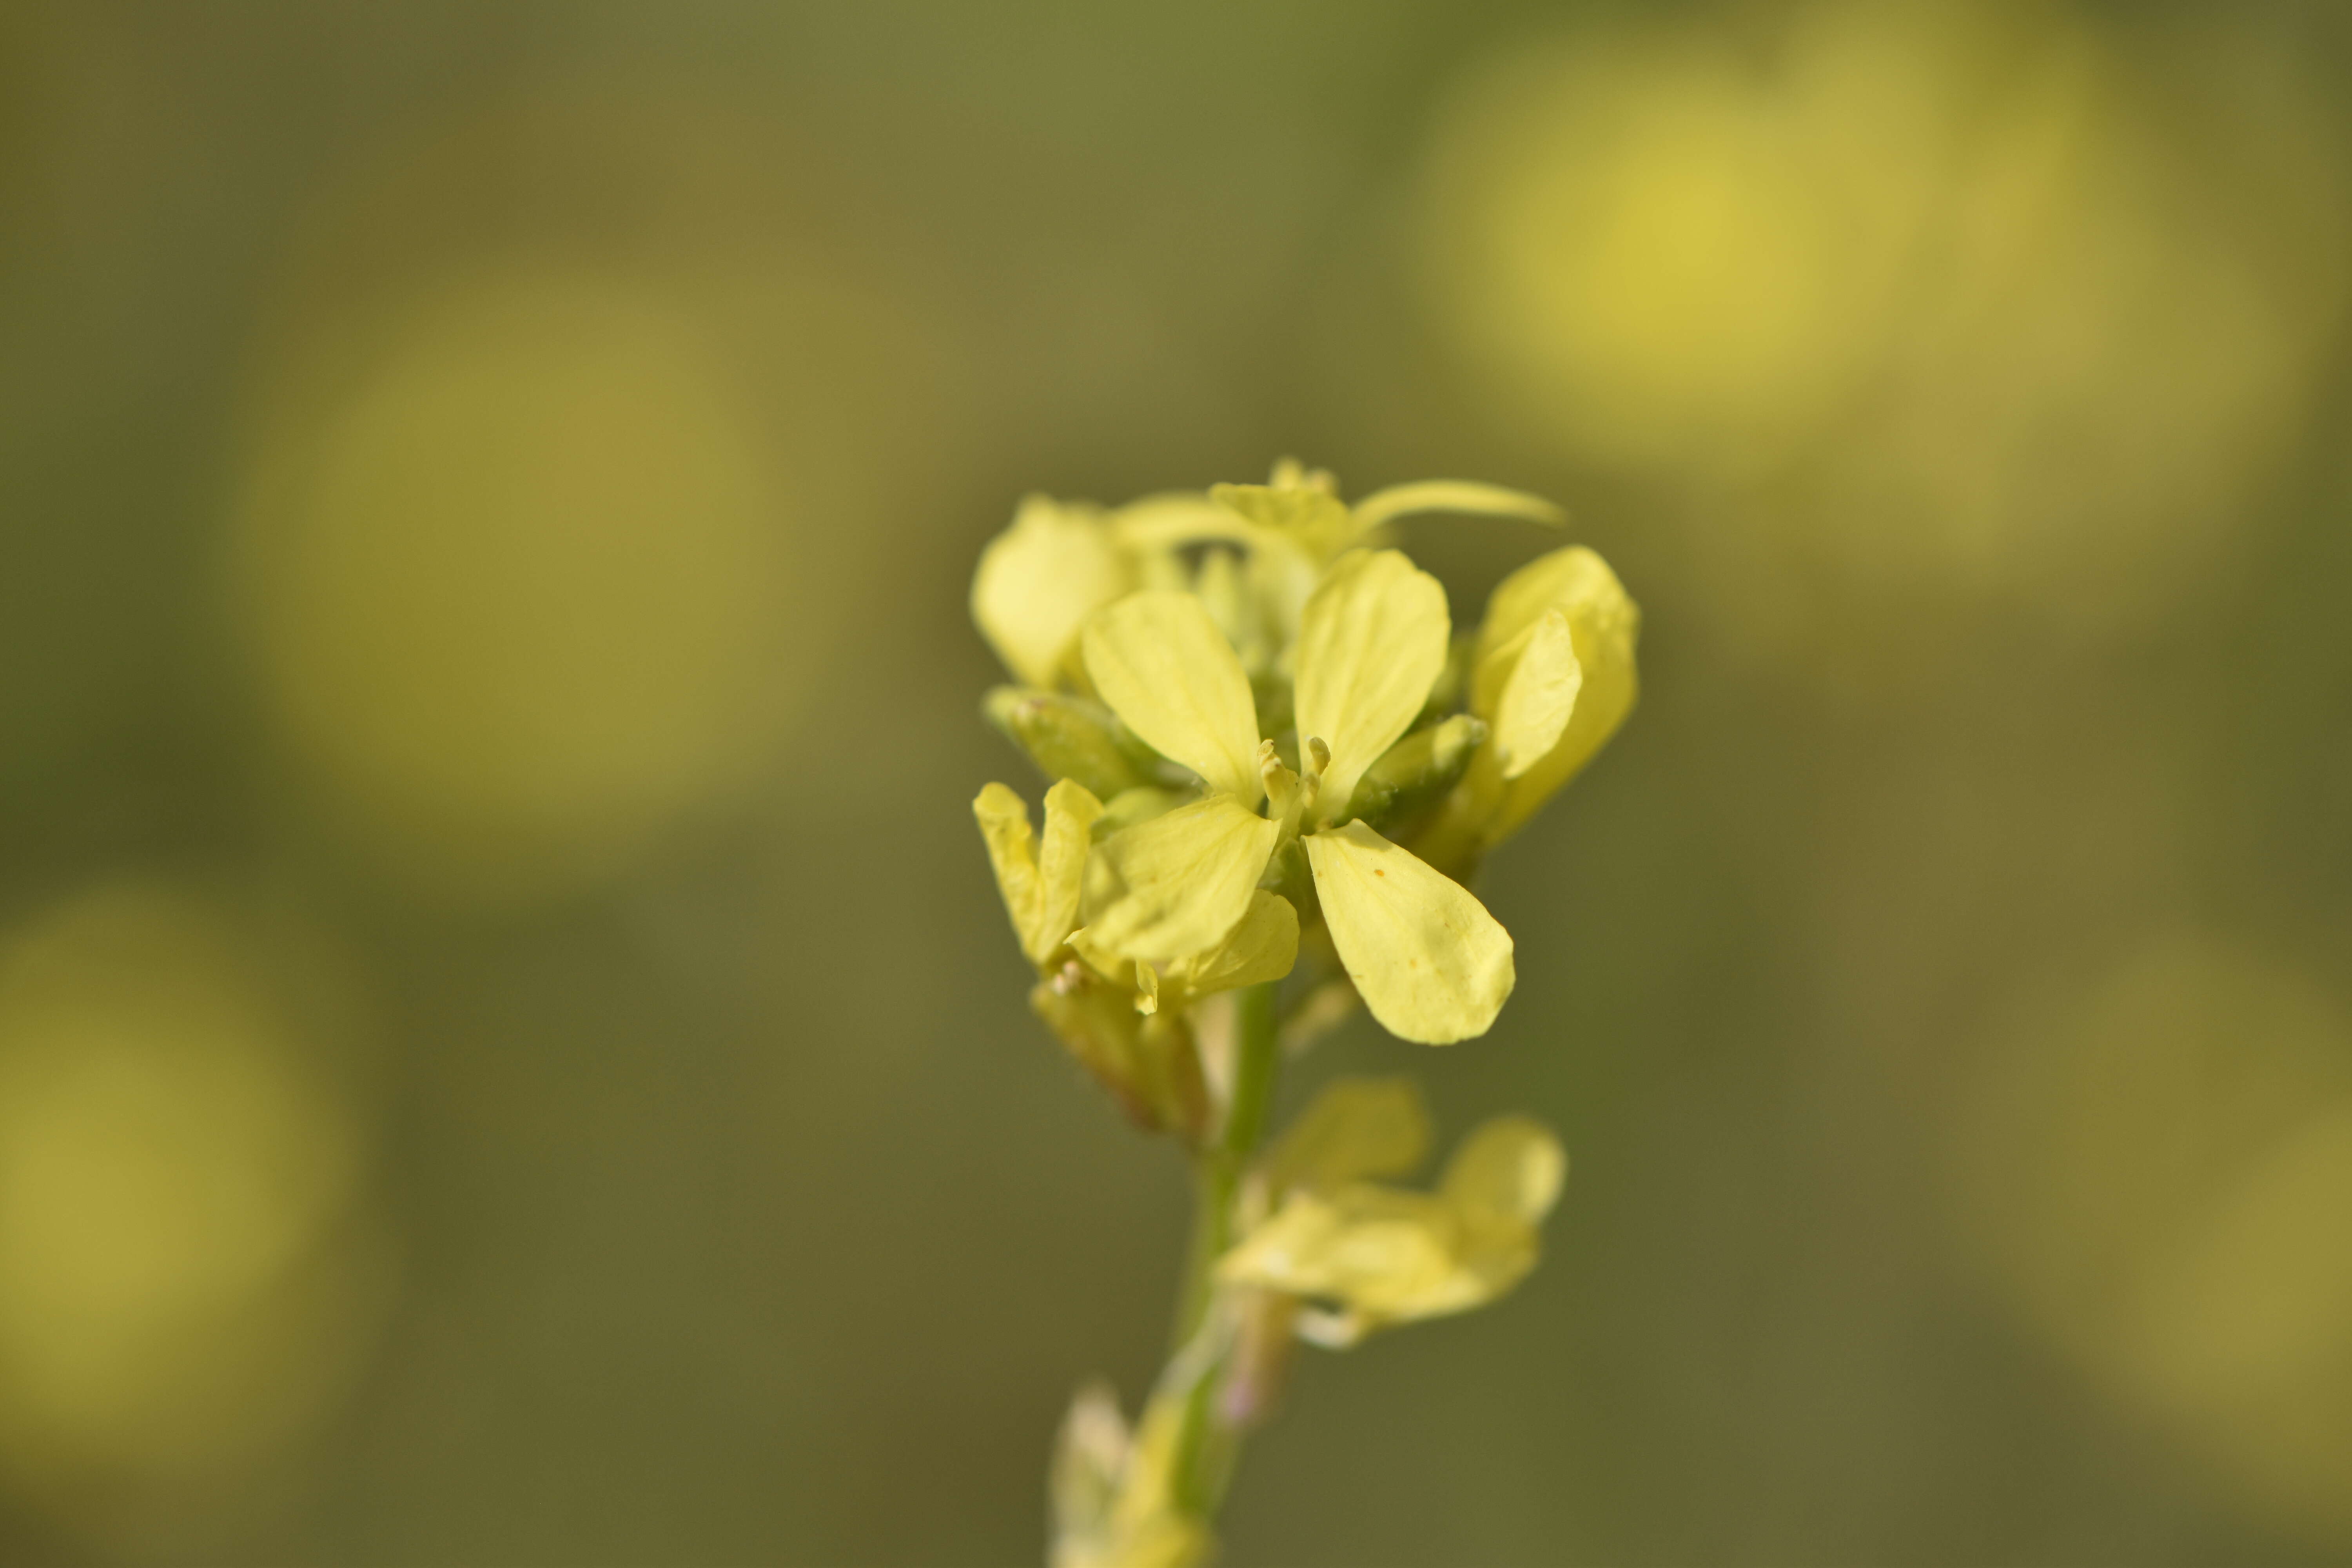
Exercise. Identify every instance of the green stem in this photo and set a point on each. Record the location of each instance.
(1217, 1173)
(1257, 1059)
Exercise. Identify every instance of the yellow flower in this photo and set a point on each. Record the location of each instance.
(1300, 512)
(1102, 1007)
(1092, 1001)
(1292, 529)
(1552, 674)
(1368, 1256)
(1432, 965)
(1039, 579)
(1563, 621)
(1355, 1129)
(1061, 561)
(1040, 888)
(1109, 1490)
(1261, 946)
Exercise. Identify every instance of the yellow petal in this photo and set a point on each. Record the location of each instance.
(1163, 666)
(1511, 1168)
(1539, 682)
(1371, 642)
(1224, 589)
(1004, 820)
(1282, 578)
(1465, 496)
(1130, 807)
(1102, 961)
(1433, 964)
(1038, 582)
(1290, 474)
(1071, 811)
(1604, 625)
(1089, 1456)
(1382, 1255)
(1262, 946)
(1376, 1255)
(1148, 1528)
(1388, 1253)
(1355, 1129)
(1174, 886)
(1041, 890)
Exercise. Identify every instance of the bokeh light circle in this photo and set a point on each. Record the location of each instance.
(180, 1287)
(1928, 296)
(519, 591)
(1655, 252)
(2155, 1173)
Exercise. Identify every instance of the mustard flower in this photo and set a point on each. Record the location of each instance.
(1267, 740)
(1432, 965)
(1365, 1255)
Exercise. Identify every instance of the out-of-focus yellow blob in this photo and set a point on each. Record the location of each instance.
(1664, 249)
(172, 1297)
(2121, 323)
(2158, 1175)
(519, 591)
(1964, 294)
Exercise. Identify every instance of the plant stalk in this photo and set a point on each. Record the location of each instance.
(1217, 1172)
(1257, 1061)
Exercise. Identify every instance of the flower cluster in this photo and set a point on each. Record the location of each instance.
(1272, 753)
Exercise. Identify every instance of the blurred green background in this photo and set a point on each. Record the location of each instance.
(509, 1046)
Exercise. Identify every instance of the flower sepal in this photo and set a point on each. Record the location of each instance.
(1150, 1063)
(1416, 773)
(1075, 738)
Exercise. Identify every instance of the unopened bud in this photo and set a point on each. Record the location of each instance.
(1070, 738)
(1149, 1064)
(1413, 774)
(1287, 875)
(1259, 1366)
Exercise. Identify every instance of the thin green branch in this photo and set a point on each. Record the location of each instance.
(1257, 1061)
(1257, 1058)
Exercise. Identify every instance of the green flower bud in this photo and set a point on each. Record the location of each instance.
(1070, 738)
(1151, 1065)
(1288, 876)
(1413, 774)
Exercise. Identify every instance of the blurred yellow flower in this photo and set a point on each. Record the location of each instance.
(1059, 562)
(1112, 1494)
(2155, 1175)
(1369, 1256)
(1354, 1128)
(518, 592)
(1658, 250)
(1979, 295)
(186, 1274)
(1039, 579)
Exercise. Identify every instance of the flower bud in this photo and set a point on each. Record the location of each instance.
(1070, 738)
(1149, 1064)
(1413, 774)
(1264, 1331)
